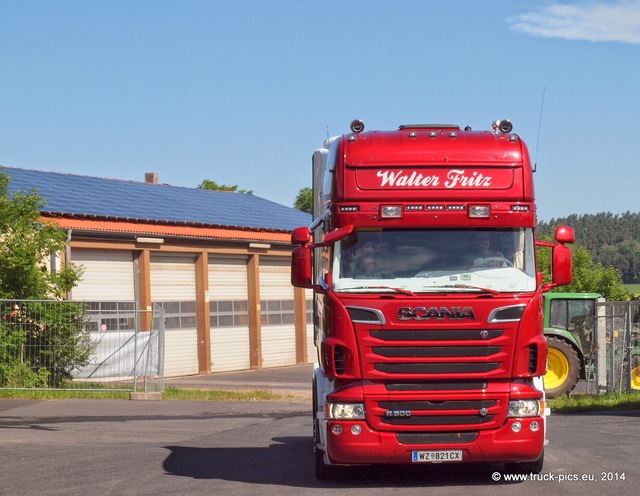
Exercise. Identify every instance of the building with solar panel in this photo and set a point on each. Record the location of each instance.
(218, 263)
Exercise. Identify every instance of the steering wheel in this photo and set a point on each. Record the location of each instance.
(492, 262)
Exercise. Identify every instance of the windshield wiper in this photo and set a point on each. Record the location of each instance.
(405, 292)
(479, 288)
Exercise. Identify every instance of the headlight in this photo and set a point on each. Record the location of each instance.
(525, 408)
(344, 411)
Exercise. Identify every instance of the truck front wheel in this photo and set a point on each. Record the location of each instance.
(563, 369)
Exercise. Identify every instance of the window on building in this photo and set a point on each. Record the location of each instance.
(107, 316)
(277, 312)
(178, 314)
(232, 313)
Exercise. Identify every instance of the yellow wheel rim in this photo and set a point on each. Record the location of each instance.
(557, 370)
(635, 378)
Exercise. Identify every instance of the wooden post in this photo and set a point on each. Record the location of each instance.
(144, 285)
(255, 317)
(300, 305)
(202, 313)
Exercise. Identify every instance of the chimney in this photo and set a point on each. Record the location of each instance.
(151, 177)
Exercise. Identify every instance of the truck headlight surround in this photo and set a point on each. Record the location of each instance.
(525, 408)
(344, 411)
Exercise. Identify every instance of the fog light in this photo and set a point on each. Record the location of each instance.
(356, 429)
(534, 426)
(516, 427)
(337, 429)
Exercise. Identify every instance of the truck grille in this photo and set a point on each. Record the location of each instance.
(460, 376)
(422, 412)
(435, 353)
(417, 415)
(436, 437)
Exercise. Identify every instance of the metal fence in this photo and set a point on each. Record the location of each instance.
(81, 345)
(614, 362)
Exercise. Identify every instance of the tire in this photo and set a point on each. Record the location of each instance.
(525, 467)
(563, 369)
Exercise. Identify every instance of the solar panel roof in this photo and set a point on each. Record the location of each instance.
(70, 194)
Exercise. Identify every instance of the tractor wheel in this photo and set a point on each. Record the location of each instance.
(635, 371)
(563, 369)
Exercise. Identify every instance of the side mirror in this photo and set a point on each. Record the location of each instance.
(561, 258)
(300, 236)
(561, 270)
(301, 271)
(564, 234)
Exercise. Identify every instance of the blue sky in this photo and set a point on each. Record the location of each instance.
(242, 92)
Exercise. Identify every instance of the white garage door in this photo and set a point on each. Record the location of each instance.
(108, 275)
(229, 314)
(277, 313)
(173, 286)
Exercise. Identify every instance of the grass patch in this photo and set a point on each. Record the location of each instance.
(561, 404)
(62, 394)
(170, 393)
(592, 403)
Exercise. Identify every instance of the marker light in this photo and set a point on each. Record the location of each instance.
(391, 211)
(479, 211)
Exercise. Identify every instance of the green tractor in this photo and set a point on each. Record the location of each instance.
(568, 326)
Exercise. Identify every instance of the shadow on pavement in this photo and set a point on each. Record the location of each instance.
(290, 462)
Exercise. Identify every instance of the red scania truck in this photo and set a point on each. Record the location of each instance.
(427, 299)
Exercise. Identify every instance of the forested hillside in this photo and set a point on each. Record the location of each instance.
(612, 240)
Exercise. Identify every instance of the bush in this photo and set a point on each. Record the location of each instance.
(42, 342)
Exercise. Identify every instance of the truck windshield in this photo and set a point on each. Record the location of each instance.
(445, 260)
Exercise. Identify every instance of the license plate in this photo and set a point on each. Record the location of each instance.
(437, 456)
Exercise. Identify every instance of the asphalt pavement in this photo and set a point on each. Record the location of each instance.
(295, 380)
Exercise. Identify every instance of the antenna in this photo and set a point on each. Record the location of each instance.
(535, 162)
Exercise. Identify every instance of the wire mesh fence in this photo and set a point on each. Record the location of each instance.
(614, 362)
(80, 345)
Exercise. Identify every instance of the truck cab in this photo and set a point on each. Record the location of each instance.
(427, 299)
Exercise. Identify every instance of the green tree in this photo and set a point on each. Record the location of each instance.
(27, 243)
(214, 186)
(612, 240)
(304, 200)
(588, 277)
(36, 346)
